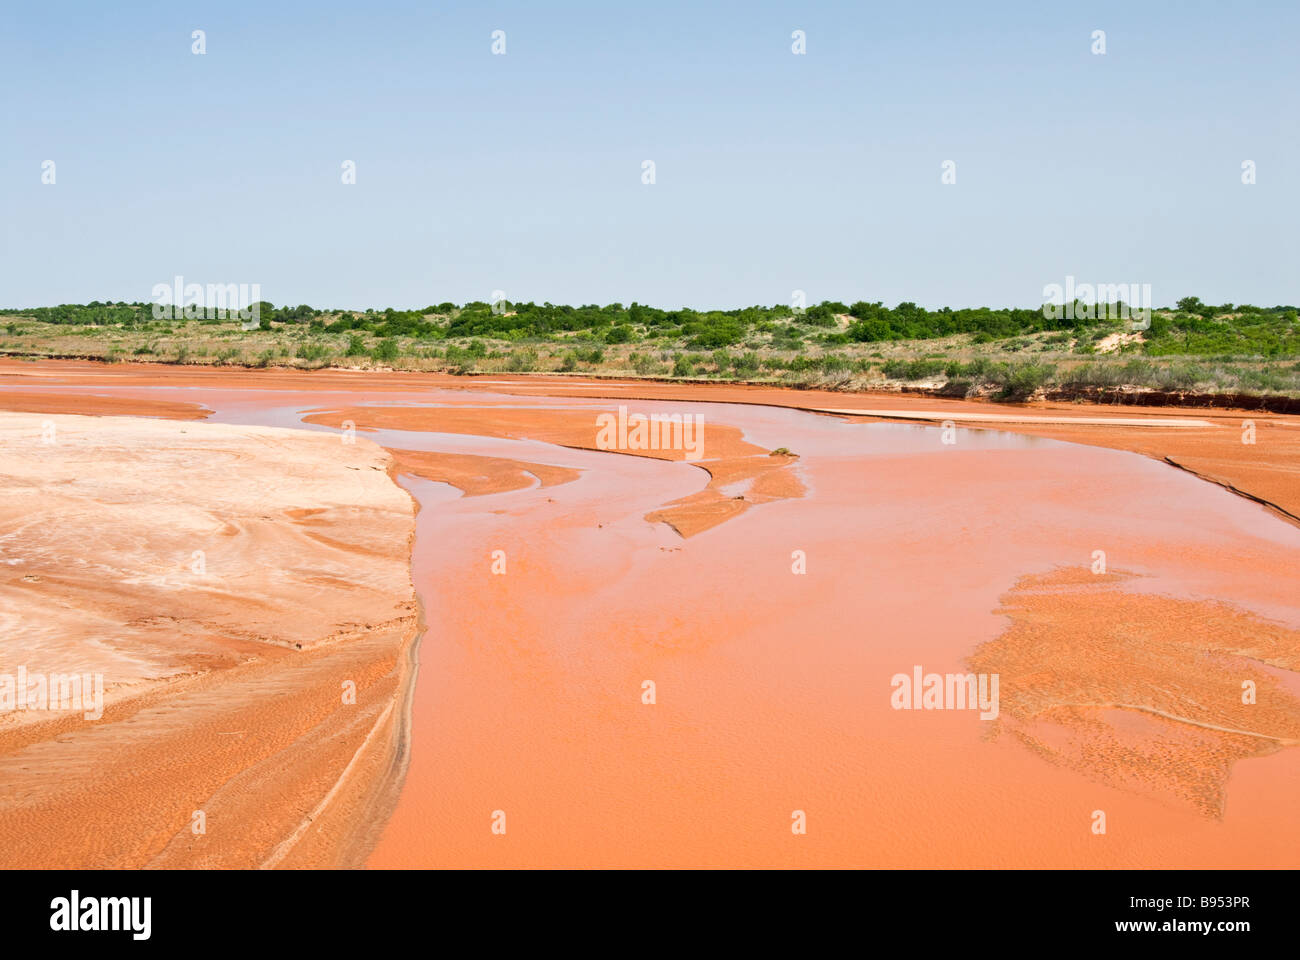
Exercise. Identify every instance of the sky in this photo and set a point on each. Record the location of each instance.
(774, 172)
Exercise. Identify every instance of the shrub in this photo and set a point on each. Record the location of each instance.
(522, 361)
(913, 369)
(746, 365)
(311, 352)
(386, 351)
(1021, 381)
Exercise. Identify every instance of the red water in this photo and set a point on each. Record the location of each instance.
(773, 687)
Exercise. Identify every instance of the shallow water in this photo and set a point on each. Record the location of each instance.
(772, 688)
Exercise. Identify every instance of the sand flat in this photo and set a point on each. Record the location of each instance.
(225, 581)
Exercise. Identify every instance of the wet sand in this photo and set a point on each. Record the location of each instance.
(552, 593)
(224, 582)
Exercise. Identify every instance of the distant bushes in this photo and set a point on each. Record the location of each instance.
(1248, 332)
(386, 351)
(912, 369)
(91, 314)
(1197, 346)
(522, 361)
(1193, 328)
(1014, 380)
(1022, 380)
(876, 322)
(468, 354)
(312, 352)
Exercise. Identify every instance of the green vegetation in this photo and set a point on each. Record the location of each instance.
(1004, 353)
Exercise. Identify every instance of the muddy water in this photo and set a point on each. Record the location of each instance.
(772, 688)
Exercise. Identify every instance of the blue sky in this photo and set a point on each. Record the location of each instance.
(774, 172)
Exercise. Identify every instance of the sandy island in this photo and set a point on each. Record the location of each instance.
(225, 582)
